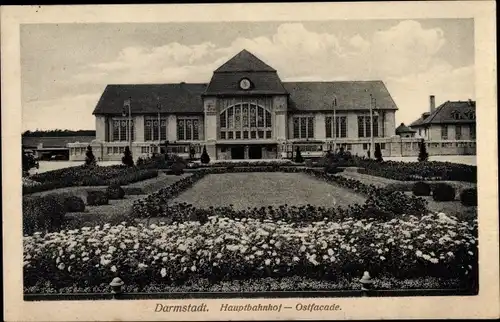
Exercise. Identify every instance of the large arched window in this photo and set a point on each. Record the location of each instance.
(245, 121)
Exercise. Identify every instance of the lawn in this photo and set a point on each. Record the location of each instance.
(244, 190)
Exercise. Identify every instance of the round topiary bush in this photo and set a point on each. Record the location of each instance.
(178, 168)
(97, 198)
(443, 192)
(468, 197)
(74, 204)
(421, 189)
(114, 191)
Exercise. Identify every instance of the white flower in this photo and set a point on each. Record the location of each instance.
(426, 257)
(163, 272)
(382, 258)
(267, 262)
(295, 259)
(450, 254)
(418, 253)
(113, 268)
(330, 251)
(61, 266)
(379, 251)
(193, 268)
(434, 260)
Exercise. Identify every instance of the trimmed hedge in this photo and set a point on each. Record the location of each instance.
(421, 189)
(114, 191)
(43, 213)
(443, 192)
(97, 198)
(468, 197)
(74, 204)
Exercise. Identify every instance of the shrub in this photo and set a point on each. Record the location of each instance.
(89, 157)
(378, 153)
(74, 204)
(421, 189)
(423, 155)
(205, 158)
(332, 169)
(178, 168)
(97, 198)
(298, 156)
(42, 213)
(114, 191)
(309, 163)
(443, 192)
(127, 158)
(468, 197)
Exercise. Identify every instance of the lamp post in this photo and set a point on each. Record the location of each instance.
(334, 135)
(159, 125)
(128, 104)
(372, 101)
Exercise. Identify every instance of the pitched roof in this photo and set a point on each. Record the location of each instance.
(262, 83)
(54, 142)
(244, 61)
(350, 95)
(402, 128)
(173, 98)
(444, 114)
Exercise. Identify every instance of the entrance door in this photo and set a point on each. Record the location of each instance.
(237, 152)
(255, 152)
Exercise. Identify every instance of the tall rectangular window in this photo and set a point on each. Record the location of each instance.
(375, 126)
(151, 129)
(187, 129)
(303, 127)
(444, 132)
(120, 130)
(458, 132)
(361, 126)
(472, 131)
(340, 126)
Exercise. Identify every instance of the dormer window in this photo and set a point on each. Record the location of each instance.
(456, 115)
(471, 115)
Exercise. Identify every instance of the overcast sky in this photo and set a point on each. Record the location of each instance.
(65, 67)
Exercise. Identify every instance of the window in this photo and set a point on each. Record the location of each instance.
(470, 114)
(444, 132)
(365, 146)
(109, 150)
(456, 115)
(303, 127)
(238, 120)
(120, 130)
(458, 132)
(382, 146)
(340, 126)
(151, 129)
(472, 130)
(145, 149)
(187, 129)
(364, 129)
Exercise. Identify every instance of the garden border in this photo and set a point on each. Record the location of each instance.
(248, 295)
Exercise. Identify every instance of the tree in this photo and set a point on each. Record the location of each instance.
(205, 158)
(423, 155)
(127, 158)
(378, 153)
(89, 157)
(298, 156)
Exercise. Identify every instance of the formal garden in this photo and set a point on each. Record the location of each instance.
(164, 224)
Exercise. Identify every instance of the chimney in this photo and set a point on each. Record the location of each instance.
(432, 103)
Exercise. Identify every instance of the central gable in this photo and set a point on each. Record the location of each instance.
(244, 61)
(226, 79)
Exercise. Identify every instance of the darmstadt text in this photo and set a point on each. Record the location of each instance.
(181, 308)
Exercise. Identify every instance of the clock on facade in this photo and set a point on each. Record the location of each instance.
(245, 83)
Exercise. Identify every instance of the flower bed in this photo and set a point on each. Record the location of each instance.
(412, 171)
(382, 204)
(88, 176)
(224, 249)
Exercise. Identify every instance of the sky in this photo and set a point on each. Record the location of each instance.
(65, 67)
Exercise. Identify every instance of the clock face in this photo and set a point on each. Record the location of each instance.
(245, 83)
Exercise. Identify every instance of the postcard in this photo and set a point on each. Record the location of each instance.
(250, 161)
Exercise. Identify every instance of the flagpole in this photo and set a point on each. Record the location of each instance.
(159, 127)
(130, 125)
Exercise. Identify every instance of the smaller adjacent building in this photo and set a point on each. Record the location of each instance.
(449, 128)
(404, 131)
